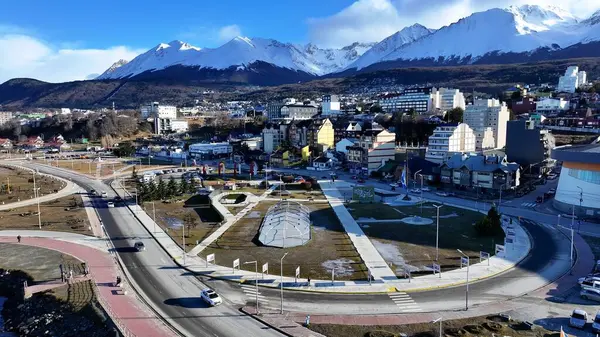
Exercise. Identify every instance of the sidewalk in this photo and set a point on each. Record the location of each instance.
(131, 316)
(69, 189)
(514, 252)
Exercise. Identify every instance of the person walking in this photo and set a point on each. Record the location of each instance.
(18, 238)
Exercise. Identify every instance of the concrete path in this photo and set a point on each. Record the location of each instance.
(379, 269)
(131, 316)
(69, 189)
(514, 253)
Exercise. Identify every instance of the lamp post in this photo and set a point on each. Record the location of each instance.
(580, 205)
(437, 232)
(572, 225)
(255, 280)
(439, 320)
(415, 177)
(154, 216)
(281, 282)
(467, 288)
(36, 195)
(421, 194)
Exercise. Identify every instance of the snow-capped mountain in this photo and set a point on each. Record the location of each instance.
(511, 30)
(406, 36)
(114, 67)
(241, 52)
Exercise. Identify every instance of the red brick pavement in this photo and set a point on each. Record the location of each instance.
(126, 310)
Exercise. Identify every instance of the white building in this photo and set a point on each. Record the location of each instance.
(65, 111)
(207, 149)
(488, 113)
(448, 139)
(179, 125)
(165, 118)
(342, 145)
(5, 117)
(271, 138)
(420, 99)
(330, 105)
(448, 99)
(550, 105)
(571, 80)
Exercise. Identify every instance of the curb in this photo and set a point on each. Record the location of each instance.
(257, 318)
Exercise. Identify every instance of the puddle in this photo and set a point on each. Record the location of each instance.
(173, 222)
(342, 267)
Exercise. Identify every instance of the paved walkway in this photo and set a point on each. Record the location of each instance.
(69, 189)
(377, 266)
(514, 252)
(131, 316)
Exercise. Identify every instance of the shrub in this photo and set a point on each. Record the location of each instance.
(380, 333)
(307, 185)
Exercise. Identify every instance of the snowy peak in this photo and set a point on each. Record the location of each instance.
(114, 67)
(533, 18)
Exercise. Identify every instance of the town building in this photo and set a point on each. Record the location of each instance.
(298, 111)
(5, 117)
(343, 145)
(165, 118)
(529, 146)
(571, 80)
(330, 105)
(322, 163)
(449, 139)
(420, 100)
(525, 105)
(347, 129)
(271, 138)
(5, 143)
(578, 187)
(378, 146)
(448, 99)
(210, 150)
(274, 110)
(321, 135)
(487, 113)
(552, 105)
(479, 171)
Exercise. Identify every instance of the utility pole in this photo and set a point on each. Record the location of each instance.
(281, 282)
(36, 195)
(183, 239)
(154, 216)
(437, 232)
(467, 288)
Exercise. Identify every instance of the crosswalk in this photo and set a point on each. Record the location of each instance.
(404, 302)
(528, 204)
(250, 292)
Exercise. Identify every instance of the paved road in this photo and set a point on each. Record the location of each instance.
(169, 288)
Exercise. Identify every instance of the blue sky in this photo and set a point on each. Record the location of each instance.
(65, 40)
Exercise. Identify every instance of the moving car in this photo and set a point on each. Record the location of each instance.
(442, 194)
(416, 190)
(139, 246)
(110, 204)
(578, 318)
(425, 189)
(104, 194)
(211, 297)
(92, 192)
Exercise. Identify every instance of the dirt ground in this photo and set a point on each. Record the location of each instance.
(477, 326)
(65, 214)
(414, 246)
(170, 216)
(329, 248)
(85, 166)
(21, 185)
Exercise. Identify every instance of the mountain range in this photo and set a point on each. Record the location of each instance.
(514, 34)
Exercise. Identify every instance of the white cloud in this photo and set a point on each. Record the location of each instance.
(26, 56)
(227, 33)
(374, 20)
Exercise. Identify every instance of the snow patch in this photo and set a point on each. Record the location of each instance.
(342, 267)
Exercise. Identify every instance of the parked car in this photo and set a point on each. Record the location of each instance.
(442, 194)
(552, 191)
(104, 194)
(590, 294)
(110, 204)
(361, 181)
(416, 190)
(93, 192)
(426, 189)
(578, 318)
(139, 246)
(596, 322)
(211, 297)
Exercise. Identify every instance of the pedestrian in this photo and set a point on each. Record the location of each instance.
(309, 281)
(71, 275)
(19, 238)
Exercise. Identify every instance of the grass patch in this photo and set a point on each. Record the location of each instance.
(20, 185)
(329, 246)
(470, 327)
(65, 214)
(403, 244)
(84, 166)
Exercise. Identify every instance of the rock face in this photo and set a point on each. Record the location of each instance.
(44, 314)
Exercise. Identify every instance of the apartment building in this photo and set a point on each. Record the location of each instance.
(480, 171)
(298, 111)
(571, 80)
(448, 99)
(321, 135)
(330, 105)
(377, 147)
(448, 139)
(207, 150)
(420, 100)
(529, 146)
(484, 114)
(271, 138)
(552, 105)
(5, 117)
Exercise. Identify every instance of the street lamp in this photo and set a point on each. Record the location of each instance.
(281, 282)
(255, 280)
(437, 232)
(154, 216)
(580, 205)
(467, 288)
(36, 195)
(439, 320)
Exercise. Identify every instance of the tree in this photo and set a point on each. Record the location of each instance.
(489, 225)
(375, 108)
(183, 186)
(161, 190)
(307, 185)
(454, 115)
(124, 150)
(516, 96)
(172, 187)
(189, 221)
(134, 174)
(495, 221)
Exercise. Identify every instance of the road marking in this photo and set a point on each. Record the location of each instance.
(528, 204)
(252, 295)
(404, 302)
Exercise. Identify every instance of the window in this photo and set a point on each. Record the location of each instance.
(587, 176)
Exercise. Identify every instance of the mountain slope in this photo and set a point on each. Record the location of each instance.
(406, 36)
(241, 52)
